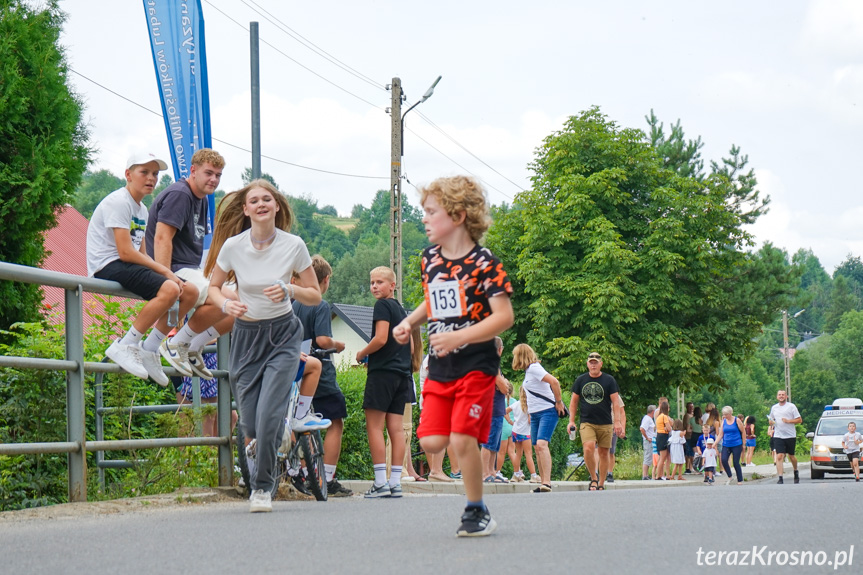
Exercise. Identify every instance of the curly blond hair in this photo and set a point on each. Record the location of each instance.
(208, 156)
(231, 220)
(459, 194)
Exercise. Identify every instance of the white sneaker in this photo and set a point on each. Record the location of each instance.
(260, 502)
(310, 422)
(517, 477)
(500, 476)
(731, 481)
(177, 355)
(198, 365)
(534, 478)
(127, 357)
(151, 362)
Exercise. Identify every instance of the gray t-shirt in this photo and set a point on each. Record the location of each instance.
(851, 440)
(178, 207)
(317, 321)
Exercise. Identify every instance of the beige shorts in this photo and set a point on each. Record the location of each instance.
(195, 276)
(601, 434)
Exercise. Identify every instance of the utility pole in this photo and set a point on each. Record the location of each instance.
(396, 186)
(256, 99)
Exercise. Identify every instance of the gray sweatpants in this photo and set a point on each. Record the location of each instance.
(265, 356)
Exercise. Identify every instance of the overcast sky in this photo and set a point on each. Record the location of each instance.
(782, 80)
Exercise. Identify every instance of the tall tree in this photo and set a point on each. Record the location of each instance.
(842, 300)
(44, 143)
(93, 189)
(612, 251)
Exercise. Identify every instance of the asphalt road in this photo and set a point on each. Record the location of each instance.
(624, 531)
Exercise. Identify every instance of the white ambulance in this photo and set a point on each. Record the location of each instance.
(827, 455)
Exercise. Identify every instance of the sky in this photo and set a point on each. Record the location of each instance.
(782, 80)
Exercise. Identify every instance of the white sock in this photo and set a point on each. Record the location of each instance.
(395, 475)
(304, 402)
(203, 339)
(185, 335)
(132, 337)
(380, 473)
(153, 341)
(330, 472)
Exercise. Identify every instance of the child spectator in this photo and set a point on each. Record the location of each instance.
(507, 447)
(521, 438)
(115, 251)
(387, 384)
(709, 456)
(466, 304)
(851, 444)
(750, 440)
(678, 455)
(490, 449)
(648, 436)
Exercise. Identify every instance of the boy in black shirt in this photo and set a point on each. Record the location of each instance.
(387, 384)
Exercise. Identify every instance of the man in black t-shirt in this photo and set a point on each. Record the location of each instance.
(596, 393)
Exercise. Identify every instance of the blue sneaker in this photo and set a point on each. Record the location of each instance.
(310, 422)
(395, 490)
(378, 491)
(455, 475)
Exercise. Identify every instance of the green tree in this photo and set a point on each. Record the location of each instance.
(350, 282)
(93, 189)
(842, 300)
(44, 143)
(246, 177)
(165, 181)
(852, 270)
(846, 351)
(612, 251)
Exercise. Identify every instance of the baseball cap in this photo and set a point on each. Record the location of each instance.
(594, 355)
(710, 440)
(140, 158)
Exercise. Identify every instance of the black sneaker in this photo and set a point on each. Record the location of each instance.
(336, 489)
(476, 522)
(299, 483)
(796, 477)
(781, 480)
(609, 478)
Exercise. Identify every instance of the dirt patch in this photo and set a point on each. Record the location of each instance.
(185, 496)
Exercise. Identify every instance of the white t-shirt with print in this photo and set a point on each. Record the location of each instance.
(258, 269)
(117, 210)
(649, 426)
(533, 382)
(851, 440)
(709, 457)
(788, 411)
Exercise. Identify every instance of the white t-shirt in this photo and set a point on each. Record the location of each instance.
(258, 269)
(533, 382)
(851, 440)
(117, 210)
(788, 411)
(708, 456)
(649, 426)
(520, 423)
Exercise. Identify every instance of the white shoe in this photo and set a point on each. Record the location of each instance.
(534, 478)
(127, 357)
(260, 502)
(310, 422)
(177, 355)
(151, 362)
(731, 481)
(198, 365)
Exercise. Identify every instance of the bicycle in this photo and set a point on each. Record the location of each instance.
(299, 459)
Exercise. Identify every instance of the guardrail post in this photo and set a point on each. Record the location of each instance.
(76, 430)
(226, 455)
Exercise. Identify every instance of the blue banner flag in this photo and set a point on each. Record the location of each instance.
(176, 29)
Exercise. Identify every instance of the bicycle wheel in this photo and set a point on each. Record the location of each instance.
(312, 450)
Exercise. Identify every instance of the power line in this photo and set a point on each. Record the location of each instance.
(228, 143)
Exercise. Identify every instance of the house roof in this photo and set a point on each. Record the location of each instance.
(66, 246)
(358, 317)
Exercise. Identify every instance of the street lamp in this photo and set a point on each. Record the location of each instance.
(397, 140)
(785, 349)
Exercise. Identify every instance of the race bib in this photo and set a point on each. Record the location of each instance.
(445, 299)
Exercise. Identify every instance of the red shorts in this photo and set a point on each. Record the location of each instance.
(460, 406)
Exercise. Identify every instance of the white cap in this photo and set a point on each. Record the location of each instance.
(141, 158)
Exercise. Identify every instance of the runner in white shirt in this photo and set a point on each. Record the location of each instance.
(785, 416)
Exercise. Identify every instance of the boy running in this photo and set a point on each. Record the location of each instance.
(466, 304)
(115, 251)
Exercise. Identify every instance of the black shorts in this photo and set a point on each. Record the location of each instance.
(331, 406)
(661, 442)
(853, 455)
(140, 280)
(785, 445)
(387, 391)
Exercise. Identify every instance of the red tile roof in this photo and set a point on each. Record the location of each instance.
(66, 245)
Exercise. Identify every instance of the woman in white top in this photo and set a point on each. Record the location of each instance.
(252, 246)
(545, 405)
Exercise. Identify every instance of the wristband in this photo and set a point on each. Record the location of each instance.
(225, 306)
(285, 289)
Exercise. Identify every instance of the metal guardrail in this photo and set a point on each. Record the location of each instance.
(76, 444)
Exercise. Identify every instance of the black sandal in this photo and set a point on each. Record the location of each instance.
(593, 485)
(600, 487)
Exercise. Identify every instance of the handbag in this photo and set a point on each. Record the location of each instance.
(564, 415)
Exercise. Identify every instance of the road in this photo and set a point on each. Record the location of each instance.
(623, 531)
